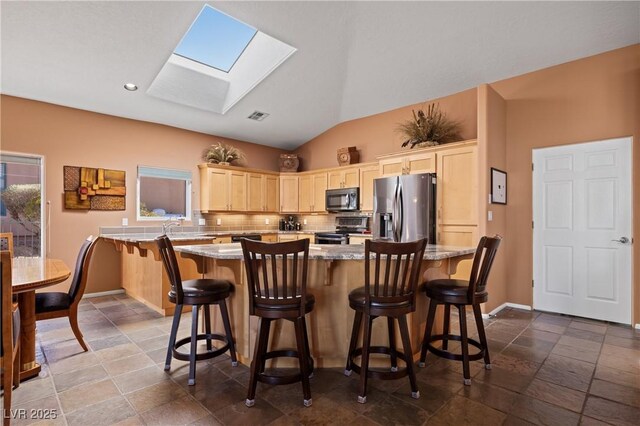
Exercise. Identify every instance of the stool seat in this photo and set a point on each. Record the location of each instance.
(452, 291)
(283, 308)
(357, 300)
(202, 291)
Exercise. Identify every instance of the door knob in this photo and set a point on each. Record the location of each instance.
(623, 240)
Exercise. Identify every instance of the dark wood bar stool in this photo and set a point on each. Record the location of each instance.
(461, 293)
(197, 293)
(392, 297)
(277, 277)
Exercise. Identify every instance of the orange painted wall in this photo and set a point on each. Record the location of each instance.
(375, 135)
(589, 99)
(67, 136)
(492, 116)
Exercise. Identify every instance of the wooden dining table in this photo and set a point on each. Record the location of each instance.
(29, 274)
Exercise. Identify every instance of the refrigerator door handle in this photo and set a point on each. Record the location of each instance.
(394, 213)
(400, 213)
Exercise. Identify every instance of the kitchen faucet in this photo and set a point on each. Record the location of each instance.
(168, 224)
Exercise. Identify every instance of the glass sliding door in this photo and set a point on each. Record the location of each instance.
(21, 202)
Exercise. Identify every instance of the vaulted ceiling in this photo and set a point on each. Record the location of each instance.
(353, 59)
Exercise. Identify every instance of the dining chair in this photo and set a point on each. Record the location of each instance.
(6, 242)
(10, 348)
(277, 281)
(390, 293)
(51, 305)
(461, 293)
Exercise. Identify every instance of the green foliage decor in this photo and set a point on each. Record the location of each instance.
(22, 202)
(429, 128)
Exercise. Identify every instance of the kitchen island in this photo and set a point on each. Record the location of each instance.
(334, 270)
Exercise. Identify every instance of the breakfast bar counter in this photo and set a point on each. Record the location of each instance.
(334, 270)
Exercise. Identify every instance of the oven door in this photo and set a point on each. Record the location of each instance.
(332, 239)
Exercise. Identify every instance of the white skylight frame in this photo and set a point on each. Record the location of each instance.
(188, 82)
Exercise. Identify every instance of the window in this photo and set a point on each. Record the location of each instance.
(215, 39)
(21, 192)
(163, 194)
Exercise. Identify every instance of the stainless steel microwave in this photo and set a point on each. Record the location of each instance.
(342, 200)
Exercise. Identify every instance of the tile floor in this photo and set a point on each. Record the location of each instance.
(547, 369)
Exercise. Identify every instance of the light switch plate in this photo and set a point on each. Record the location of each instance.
(266, 221)
(125, 221)
(202, 221)
(489, 215)
(304, 222)
(218, 221)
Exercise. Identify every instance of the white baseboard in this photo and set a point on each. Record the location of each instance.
(506, 305)
(104, 293)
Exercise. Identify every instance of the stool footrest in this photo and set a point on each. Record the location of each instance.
(377, 374)
(285, 379)
(449, 355)
(203, 355)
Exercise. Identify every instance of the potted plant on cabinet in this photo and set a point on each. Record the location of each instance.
(222, 154)
(429, 128)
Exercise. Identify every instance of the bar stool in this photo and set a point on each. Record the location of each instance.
(460, 294)
(197, 293)
(394, 297)
(275, 292)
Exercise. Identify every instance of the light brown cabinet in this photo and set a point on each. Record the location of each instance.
(457, 186)
(343, 178)
(294, 237)
(222, 240)
(358, 239)
(262, 192)
(270, 238)
(288, 193)
(407, 164)
(311, 192)
(222, 189)
(367, 175)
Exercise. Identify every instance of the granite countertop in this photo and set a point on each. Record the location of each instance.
(320, 251)
(186, 236)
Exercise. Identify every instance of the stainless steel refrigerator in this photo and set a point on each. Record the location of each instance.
(404, 208)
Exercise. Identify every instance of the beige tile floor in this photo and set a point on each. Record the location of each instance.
(547, 369)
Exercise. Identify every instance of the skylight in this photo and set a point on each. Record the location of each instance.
(215, 39)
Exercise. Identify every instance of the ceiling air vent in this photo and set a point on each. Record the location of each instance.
(258, 116)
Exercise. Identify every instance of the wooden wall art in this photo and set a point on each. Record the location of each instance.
(94, 189)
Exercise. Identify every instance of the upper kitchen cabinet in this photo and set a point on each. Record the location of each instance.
(348, 177)
(262, 192)
(367, 175)
(311, 192)
(457, 174)
(406, 163)
(222, 188)
(288, 193)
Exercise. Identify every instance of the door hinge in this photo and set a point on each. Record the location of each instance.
(532, 283)
(532, 225)
(531, 166)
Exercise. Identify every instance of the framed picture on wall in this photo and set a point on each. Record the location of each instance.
(498, 186)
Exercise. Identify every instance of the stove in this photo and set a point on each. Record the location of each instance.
(345, 225)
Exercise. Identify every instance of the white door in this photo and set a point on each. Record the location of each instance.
(582, 241)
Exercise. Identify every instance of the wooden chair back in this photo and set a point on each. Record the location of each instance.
(482, 262)
(6, 312)
(81, 272)
(170, 262)
(6, 242)
(396, 272)
(276, 274)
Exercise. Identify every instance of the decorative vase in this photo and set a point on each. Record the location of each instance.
(348, 156)
(289, 162)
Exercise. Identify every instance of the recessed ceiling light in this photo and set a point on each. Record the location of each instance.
(131, 87)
